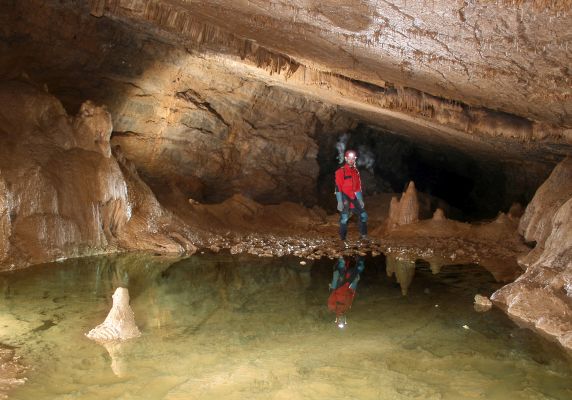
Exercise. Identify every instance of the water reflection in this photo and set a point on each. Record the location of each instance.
(403, 269)
(245, 327)
(343, 287)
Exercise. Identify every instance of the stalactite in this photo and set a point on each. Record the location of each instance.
(451, 113)
(541, 5)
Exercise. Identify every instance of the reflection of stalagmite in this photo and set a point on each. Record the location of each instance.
(406, 210)
(435, 267)
(118, 364)
(404, 271)
(120, 322)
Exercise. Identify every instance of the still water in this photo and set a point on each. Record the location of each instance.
(237, 327)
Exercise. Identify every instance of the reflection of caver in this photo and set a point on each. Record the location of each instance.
(344, 284)
(349, 195)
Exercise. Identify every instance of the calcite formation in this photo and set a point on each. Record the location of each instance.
(63, 193)
(482, 303)
(406, 210)
(225, 103)
(501, 54)
(540, 299)
(119, 325)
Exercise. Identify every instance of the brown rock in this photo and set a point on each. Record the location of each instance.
(406, 210)
(439, 215)
(63, 194)
(540, 299)
(482, 303)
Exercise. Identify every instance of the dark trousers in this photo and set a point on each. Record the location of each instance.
(346, 214)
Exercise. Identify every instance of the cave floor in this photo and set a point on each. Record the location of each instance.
(497, 256)
(239, 326)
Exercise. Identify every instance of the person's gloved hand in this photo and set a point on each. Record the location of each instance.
(359, 198)
(340, 203)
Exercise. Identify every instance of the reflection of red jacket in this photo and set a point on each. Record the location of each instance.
(348, 180)
(341, 299)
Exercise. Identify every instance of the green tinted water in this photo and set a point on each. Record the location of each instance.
(230, 327)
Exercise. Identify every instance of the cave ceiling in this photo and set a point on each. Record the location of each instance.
(219, 94)
(441, 64)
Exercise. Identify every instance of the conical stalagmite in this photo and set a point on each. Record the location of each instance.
(439, 215)
(406, 210)
(120, 322)
(409, 206)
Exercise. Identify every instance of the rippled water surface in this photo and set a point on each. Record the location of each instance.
(230, 327)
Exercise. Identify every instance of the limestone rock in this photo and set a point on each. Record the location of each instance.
(119, 324)
(536, 223)
(406, 210)
(94, 126)
(439, 215)
(12, 371)
(482, 303)
(5, 226)
(63, 194)
(541, 298)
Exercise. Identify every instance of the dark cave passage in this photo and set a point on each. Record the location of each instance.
(474, 186)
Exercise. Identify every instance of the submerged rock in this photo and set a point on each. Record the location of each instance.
(12, 371)
(482, 303)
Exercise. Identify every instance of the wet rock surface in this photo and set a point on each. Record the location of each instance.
(179, 81)
(64, 194)
(215, 126)
(541, 297)
(494, 245)
(119, 324)
(12, 370)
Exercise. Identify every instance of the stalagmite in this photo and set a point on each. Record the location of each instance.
(406, 210)
(120, 322)
(439, 215)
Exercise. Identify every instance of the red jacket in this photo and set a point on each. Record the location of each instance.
(348, 180)
(341, 299)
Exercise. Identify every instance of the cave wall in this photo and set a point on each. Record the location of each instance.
(64, 194)
(190, 125)
(541, 298)
(226, 133)
(203, 119)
